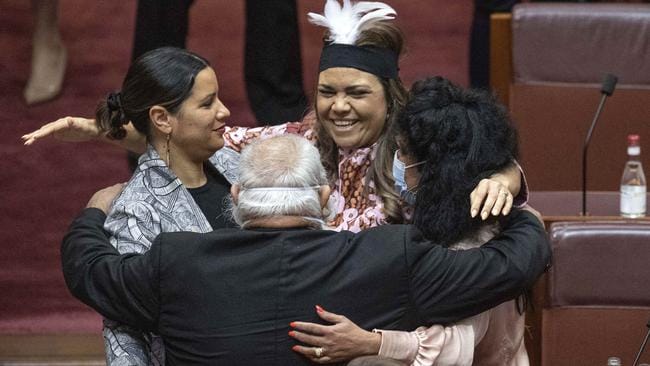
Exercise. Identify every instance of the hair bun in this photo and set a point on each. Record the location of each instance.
(114, 101)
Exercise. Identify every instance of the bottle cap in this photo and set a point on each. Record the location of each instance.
(633, 147)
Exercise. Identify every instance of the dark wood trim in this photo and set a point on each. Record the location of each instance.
(501, 73)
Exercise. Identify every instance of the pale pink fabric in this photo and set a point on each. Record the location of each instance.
(494, 337)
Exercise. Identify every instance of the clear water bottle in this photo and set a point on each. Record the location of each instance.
(633, 184)
(613, 361)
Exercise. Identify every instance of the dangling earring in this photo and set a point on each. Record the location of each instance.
(168, 155)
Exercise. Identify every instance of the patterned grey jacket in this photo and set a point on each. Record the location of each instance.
(153, 201)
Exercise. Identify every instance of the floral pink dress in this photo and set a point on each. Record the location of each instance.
(355, 211)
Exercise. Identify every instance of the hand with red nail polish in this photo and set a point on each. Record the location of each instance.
(341, 341)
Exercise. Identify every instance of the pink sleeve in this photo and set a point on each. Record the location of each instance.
(436, 345)
(238, 137)
(522, 198)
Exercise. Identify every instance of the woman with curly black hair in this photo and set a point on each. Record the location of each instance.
(452, 138)
(461, 136)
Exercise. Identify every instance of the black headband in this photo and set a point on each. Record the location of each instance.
(381, 62)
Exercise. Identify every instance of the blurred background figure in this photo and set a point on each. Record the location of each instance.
(49, 56)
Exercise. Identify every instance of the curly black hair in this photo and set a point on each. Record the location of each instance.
(464, 136)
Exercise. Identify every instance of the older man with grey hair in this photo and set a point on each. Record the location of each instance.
(228, 296)
(289, 181)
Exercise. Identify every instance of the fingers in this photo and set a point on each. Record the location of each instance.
(309, 339)
(501, 199)
(104, 198)
(330, 317)
(507, 206)
(310, 328)
(311, 353)
(478, 196)
(494, 198)
(48, 129)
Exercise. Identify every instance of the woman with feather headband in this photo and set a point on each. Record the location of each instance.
(358, 96)
(453, 138)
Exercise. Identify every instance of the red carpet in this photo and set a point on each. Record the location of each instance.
(45, 185)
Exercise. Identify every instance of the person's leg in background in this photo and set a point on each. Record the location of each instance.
(273, 66)
(159, 23)
(49, 55)
(479, 54)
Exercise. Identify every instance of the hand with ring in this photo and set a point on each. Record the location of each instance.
(318, 352)
(490, 197)
(339, 342)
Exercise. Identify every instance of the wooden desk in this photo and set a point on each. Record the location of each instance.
(567, 206)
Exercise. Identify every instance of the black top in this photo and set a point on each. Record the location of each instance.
(227, 297)
(212, 198)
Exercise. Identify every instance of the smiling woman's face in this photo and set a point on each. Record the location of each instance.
(351, 106)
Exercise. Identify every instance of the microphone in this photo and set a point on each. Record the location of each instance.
(606, 89)
(638, 354)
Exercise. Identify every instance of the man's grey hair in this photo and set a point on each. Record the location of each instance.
(279, 176)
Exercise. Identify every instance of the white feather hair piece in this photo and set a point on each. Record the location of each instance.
(346, 22)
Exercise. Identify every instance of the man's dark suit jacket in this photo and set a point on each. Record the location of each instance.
(227, 297)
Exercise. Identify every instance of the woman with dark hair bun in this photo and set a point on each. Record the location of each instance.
(171, 98)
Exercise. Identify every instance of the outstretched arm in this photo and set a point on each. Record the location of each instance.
(77, 129)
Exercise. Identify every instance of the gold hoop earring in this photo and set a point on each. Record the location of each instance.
(167, 154)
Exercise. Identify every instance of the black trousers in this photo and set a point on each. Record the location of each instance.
(160, 23)
(273, 66)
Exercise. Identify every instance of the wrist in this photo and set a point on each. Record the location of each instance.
(372, 343)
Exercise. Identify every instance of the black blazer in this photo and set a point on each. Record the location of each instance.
(228, 296)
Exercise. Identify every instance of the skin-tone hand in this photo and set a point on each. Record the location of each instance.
(103, 198)
(77, 129)
(495, 195)
(494, 198)
(71, 129)
(341, 341)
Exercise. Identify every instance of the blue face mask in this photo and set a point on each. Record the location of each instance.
(399, 171)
